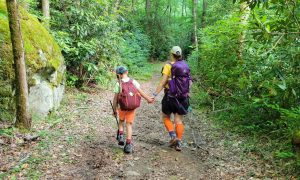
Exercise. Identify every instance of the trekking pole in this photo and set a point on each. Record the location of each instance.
(114, 113)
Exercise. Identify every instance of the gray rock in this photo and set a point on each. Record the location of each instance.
(58, 94)
(44, 97)
(41, 98)
(45, 71)
(1, 141)
(132, 173)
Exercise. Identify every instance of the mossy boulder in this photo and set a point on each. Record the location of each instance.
(296, 143)
(44, 64)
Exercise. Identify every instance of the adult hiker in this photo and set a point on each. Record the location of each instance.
(126, 99)
(176, 82)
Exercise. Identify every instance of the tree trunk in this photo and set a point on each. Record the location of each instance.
(186, 14)
(148, 15)
(203, 19)
(132, 5)
(46, 12)
(117, 5)
(296, 144)
(182, 8)
(148, 7)
(195, 26)
(22, 105)
(245, 13)
(170, 13)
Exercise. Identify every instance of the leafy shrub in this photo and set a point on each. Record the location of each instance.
(95, 39)
(259, 93)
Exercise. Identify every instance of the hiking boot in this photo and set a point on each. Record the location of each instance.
(128, 148)
(172, 142)
(120, 138)
(178, 145)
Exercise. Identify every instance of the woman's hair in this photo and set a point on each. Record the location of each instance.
(177, 57)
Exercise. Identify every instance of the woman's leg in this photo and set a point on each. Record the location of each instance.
(169, 125)
(179, 130)
(178, 120)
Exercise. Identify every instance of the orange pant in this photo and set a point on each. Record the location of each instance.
(126, 115)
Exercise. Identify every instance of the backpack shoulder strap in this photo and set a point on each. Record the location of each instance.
(130, 81)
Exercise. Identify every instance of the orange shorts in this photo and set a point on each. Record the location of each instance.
(126, 115)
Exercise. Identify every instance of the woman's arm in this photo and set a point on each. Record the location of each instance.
(161, 85)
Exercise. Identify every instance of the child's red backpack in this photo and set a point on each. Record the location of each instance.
(129, 97)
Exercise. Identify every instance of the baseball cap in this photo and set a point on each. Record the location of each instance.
(121, 69)
(176, 50)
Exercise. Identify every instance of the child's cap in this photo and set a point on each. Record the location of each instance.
(121, 70)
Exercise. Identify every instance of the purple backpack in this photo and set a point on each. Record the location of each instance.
(179, 85)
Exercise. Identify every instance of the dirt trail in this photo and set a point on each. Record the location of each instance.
(83, 146)
(101, 158)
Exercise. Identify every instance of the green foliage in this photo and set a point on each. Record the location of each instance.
(251, 70)
(134, 52)
(8, 132)
(95, 39)
(285, 155)
(88, 37)
(167, 25)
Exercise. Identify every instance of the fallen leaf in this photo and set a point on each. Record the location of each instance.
(24, 166)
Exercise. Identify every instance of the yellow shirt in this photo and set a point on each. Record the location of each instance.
(167, 71)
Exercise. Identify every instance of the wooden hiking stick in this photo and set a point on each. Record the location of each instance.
(114, 113)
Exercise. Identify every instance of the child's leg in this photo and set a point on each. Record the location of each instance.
(130, 115)
(128, 148)
(121, 126)
(121, 121)
(179, 125)
(120, 136)
(169, 125)
(129, 132)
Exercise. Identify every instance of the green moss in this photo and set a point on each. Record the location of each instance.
(5, 90)
(3, 9)
(36, 38)
(296, 138)
(60, 77)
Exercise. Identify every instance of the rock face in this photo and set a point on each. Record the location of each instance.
(44, 64)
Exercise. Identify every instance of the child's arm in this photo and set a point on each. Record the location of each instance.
(145, 96)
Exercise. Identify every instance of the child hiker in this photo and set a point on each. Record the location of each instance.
(128, 97)
(176, 82)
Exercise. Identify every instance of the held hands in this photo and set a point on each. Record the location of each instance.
(150, 100)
